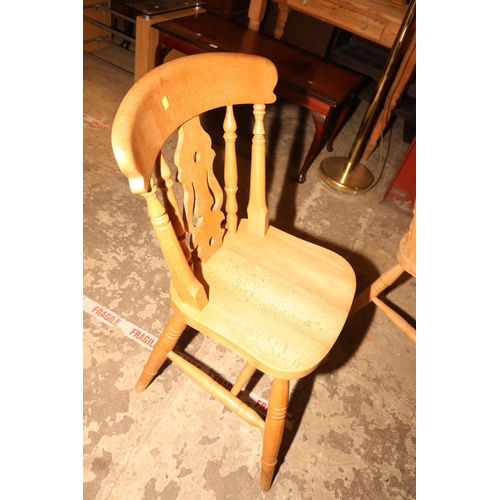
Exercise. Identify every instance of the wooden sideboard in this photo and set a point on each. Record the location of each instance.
(374, 20)
(378, 21)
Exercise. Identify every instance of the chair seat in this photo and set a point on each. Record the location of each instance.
(282, 325)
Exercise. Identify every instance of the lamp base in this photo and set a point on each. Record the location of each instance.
(358, 180)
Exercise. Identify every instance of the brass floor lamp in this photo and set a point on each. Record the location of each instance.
(347, 174)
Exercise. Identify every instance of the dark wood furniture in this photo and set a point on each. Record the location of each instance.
(229, 9)
(326, 89)
(377, 21)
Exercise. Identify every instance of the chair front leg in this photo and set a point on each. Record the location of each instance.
(273, 431)
(166, 342)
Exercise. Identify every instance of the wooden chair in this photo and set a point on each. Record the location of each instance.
(406, 256)
(277, 301)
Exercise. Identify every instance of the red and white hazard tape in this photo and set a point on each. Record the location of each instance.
(93, 122)
(148, 341)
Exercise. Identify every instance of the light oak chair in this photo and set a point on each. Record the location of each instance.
(277, 301)
(406, 256)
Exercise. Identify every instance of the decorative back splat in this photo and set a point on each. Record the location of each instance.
(202, 193)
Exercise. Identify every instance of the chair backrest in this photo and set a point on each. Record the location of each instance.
(170, 98)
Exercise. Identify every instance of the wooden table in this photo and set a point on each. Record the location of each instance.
(146, 38)
(375, 20)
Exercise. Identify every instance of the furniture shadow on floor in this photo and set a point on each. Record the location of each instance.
(344, 348)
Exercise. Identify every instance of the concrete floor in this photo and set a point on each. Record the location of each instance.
(351, 426)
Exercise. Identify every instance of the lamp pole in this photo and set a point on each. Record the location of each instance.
(347, 174)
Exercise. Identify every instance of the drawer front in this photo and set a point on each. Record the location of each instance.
(338, 15)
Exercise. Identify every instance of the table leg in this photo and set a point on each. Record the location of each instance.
(256, 11)
(336, 116)
(319, 122)
(343, 115)
(146, 39)
(283, 11)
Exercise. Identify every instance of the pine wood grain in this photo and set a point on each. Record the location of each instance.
(276, 300)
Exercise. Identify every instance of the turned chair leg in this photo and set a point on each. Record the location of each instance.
(397, 320)
(243, 378)
(378, 286)
(273, 431)
(166, 342)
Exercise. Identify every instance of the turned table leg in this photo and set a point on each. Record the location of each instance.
(256, 11)
(283, 11)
